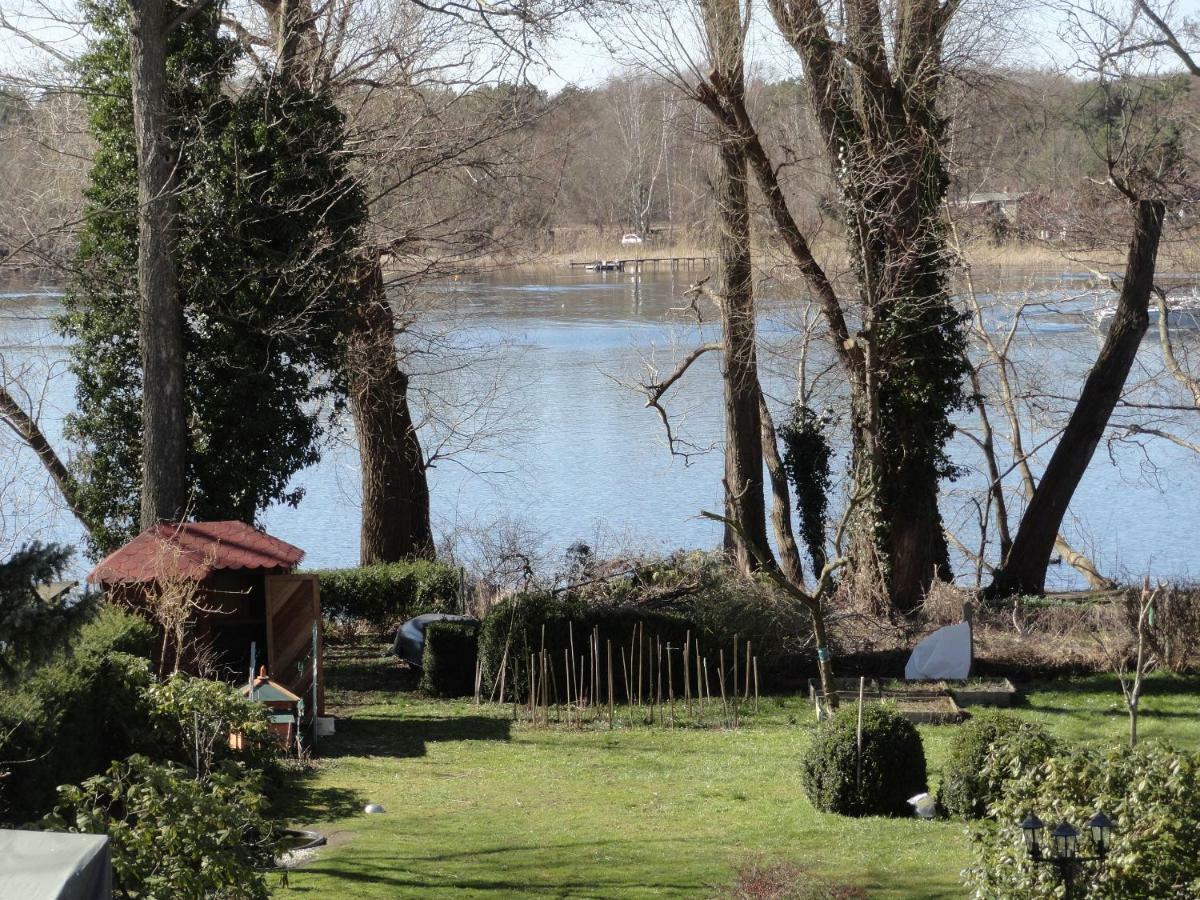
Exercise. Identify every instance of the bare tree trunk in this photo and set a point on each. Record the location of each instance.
(164, 438)
(781, 502)
(395, 491)
(28, 430)
(744, 500)
(1024, 572)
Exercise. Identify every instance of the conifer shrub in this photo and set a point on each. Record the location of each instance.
(890, 771)
(68, 719)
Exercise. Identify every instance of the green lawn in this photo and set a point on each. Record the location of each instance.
(477, 806)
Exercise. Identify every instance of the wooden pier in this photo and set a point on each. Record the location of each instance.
(636, 264)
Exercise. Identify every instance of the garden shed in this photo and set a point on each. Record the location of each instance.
(239, 592)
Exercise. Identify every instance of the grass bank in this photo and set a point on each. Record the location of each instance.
(477, 806)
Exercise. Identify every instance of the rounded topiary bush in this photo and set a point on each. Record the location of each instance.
(892, 766)
(968, 787)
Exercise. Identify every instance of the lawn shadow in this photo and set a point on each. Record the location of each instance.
(322, 804)
(406, 736)
(366, 669)
(523, 872)
(1154, 685)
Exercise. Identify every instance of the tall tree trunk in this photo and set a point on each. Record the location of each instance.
(164, 437)
(878, 118)
(744, 500)
(1024, 572)
(395, 491)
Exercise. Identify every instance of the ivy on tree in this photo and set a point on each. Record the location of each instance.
(268, 221)
(806, 457)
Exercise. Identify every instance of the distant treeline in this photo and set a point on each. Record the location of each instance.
(586, 165)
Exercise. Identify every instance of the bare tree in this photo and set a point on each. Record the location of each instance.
(406, 78)
(1144, 165)
(1122, 649)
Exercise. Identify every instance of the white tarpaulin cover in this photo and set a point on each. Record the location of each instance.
(945, 654)
(45, 865)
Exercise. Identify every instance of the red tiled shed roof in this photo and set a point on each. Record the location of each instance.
(194, 550)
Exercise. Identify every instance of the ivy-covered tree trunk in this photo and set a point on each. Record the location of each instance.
(1024, 571)
(395, 491)
(164, 430)
(874, 79)
(256, 240)
(912, 352)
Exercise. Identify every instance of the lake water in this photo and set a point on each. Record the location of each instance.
(546, 439)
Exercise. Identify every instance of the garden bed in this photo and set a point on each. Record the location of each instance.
(921, 702)
(984, 692)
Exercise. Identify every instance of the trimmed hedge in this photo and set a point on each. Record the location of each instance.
(521, 623)
(892, 765)
(387, 594)
(966, 791)
(448, 659)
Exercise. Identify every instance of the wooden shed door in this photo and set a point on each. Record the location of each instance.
(293, 605)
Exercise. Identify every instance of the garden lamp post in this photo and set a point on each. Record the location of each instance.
(1063, 851)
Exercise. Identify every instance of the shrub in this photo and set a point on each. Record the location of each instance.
(1173, 627)
(193, 718)
(777, 626)
(448, 661)
(965, 792)
(387, 594)
(172, 834)
(1152, 793)
(892, 764)
(718, 602)
(73, 716)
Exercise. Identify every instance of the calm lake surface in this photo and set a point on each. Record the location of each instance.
(547, 437)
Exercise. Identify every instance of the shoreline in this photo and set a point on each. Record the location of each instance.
(987, 257)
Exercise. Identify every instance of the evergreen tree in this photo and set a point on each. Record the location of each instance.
(33, 629)
(268, 220)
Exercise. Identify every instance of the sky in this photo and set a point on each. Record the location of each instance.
(1029, 32)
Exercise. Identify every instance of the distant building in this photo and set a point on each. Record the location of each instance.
(998, 213)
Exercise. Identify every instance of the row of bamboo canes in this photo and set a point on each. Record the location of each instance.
(589, 695)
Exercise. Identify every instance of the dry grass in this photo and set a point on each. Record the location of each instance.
(1057, 635)
(760, 880)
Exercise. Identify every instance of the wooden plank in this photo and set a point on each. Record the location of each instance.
(293, 606)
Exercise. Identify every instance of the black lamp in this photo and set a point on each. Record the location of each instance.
(1101, 827)
(1032, 829)
(1064, 846)
(1064, 840)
